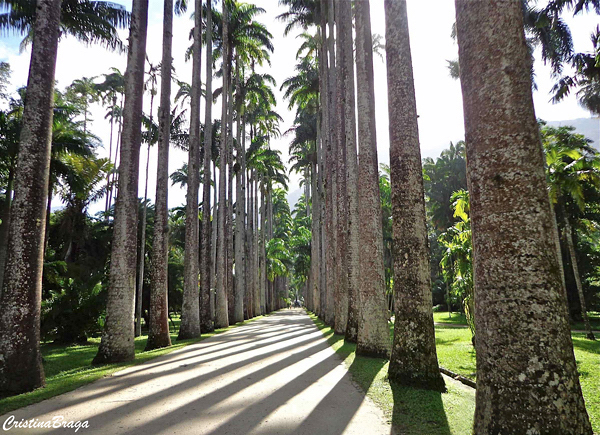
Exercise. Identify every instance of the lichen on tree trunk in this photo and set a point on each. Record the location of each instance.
(118, 336)
(414, 358)
(21, 367)
(373, 333)
(527, 380)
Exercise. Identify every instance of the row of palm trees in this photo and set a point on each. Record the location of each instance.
(520, 307)
(214, 296)
(527, 376)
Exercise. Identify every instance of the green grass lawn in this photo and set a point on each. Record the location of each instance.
(456, 353)
(459, 319)
(69, 367)
(594, 317)
(454, 319)
(410, 410)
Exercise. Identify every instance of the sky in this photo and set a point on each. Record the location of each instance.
(439, 100)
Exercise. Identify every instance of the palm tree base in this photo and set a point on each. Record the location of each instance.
(106, 357)
(424, 381)
(188, 335)
(158, 343)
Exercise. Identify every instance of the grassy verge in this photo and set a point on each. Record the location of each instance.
(69, 367)
(594, 317)
(410, 410)
(456, 353)
(459, 319)
(454, 319)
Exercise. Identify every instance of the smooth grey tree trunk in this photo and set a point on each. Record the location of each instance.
(221, 310)
(118, 336)
(373, 331)
(575, 267)
(351, 173)
(158, 332)
(21, 367)
(414, 358)
(190, 311)
(206, 319)
(527, 380)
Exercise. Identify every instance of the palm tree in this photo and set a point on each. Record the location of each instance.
(520, 305)
(190, 327)
(571, 166)
(151, 137)
(158, 327)
(118, 336)
(373, 333)
(89, 21)
(221, 313)
(84, 90)
(351, 170)
(111, 89)
(340, 194)
(206, 318)
(21, 367)
(414, 359)
(331, 172)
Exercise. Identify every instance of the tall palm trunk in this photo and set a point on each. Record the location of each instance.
(110, 147)
(351, 173)
(115, 175)
(574, 266)
(324, 145)
(373, 332)
(221, 314)
(331, 166)
(142, 257)
(250, 250)
(341, 288)
(527, 380)
(206, 320)
(262, 253)
(229, 218)
(21, 367)
(240, 213)
(118, 336)
(190, 310)
(213, 246)
(315, 234)
(414, 358)
(158, 333)
(258, 304)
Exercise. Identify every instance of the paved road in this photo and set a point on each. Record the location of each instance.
(276, 375)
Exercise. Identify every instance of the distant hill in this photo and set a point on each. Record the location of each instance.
(589, 127)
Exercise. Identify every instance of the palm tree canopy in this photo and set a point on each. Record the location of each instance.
(91, 22)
